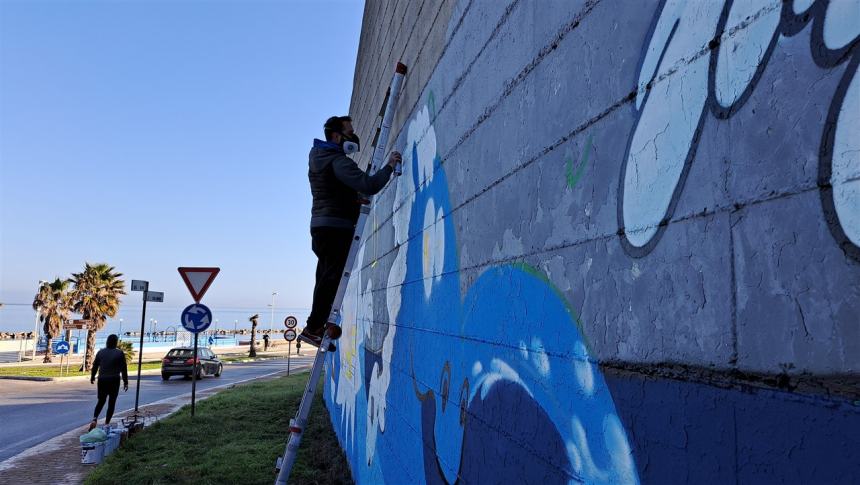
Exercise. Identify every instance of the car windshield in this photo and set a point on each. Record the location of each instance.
(186, 353)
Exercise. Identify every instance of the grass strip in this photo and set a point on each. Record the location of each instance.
(54, 370)
(235, 437)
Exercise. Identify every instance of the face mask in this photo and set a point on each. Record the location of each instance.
(351, 144)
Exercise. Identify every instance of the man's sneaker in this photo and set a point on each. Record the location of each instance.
(314, 339)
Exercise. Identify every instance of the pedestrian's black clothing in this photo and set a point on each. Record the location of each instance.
(108, 390)
(110, 363)
(336, 182)
(110, 366)
(331, 245)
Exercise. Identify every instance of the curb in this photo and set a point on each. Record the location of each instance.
(255, 359)
(72, 378)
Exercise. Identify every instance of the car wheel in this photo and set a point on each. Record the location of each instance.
(199, 373)
(220, 370)
(165, 376)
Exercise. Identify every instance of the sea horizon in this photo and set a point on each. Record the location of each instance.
(20, 317)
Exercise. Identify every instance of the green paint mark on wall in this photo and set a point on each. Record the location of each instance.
(573, 175)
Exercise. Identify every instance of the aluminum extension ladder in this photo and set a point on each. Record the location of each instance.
(333, 330)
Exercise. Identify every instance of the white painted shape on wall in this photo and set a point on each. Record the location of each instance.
(619, 450)
(800, 6)
(349, 383)
(499, 371)
(420, 132)
(669, 118)
(590, 468)
(845, 168)
(433, 244)
(741, 53)
(438, 246)
(841, 23)
(539, 357)
(669, 16)
(380, 379)
(427, 252)
(583, 369)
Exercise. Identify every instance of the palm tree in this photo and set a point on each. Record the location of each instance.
(96, 296)
(253, 319)
(127, 349)
(52, 304)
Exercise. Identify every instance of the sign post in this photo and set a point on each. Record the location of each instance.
(289, 335)
(78, 325)
(196, 318)
(61, 348)
(153, 296)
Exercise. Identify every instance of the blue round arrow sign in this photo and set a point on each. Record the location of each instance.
(61, 347)
(196, 318)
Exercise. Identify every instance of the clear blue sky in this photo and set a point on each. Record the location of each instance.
(152, 135)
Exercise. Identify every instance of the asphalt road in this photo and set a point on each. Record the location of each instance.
(33, 412)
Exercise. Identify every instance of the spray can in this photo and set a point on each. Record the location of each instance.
(398, 169)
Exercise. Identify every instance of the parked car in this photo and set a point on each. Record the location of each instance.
(179, 361)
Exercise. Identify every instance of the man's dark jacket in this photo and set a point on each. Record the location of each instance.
(336, 182)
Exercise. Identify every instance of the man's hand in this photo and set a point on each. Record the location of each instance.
(125, 386)
(394, 159)
(92, 380)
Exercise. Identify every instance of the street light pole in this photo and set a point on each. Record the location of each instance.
(35, 336)
(120, 328)
(272, 320)
(36, 329)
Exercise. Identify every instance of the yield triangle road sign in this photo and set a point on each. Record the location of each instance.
(198, 280)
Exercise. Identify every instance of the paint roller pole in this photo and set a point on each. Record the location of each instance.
(388, 117)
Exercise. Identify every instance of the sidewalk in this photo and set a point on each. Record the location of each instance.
(58, 460)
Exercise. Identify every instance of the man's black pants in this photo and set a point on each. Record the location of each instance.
(331, 245)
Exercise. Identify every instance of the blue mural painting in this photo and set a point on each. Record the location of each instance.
(708, 237)
(528, 406)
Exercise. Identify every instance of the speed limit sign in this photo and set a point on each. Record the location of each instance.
(290, 335)
(291, 322)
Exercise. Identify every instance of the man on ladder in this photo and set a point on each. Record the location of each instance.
(342, 195)
(337, 186)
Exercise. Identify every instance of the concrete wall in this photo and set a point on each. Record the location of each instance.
(625, 247)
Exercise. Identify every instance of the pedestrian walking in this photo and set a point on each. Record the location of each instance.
(265, 342)
(110, 366)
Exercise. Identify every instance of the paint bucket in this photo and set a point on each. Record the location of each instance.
(112, 442)
(92, 453)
